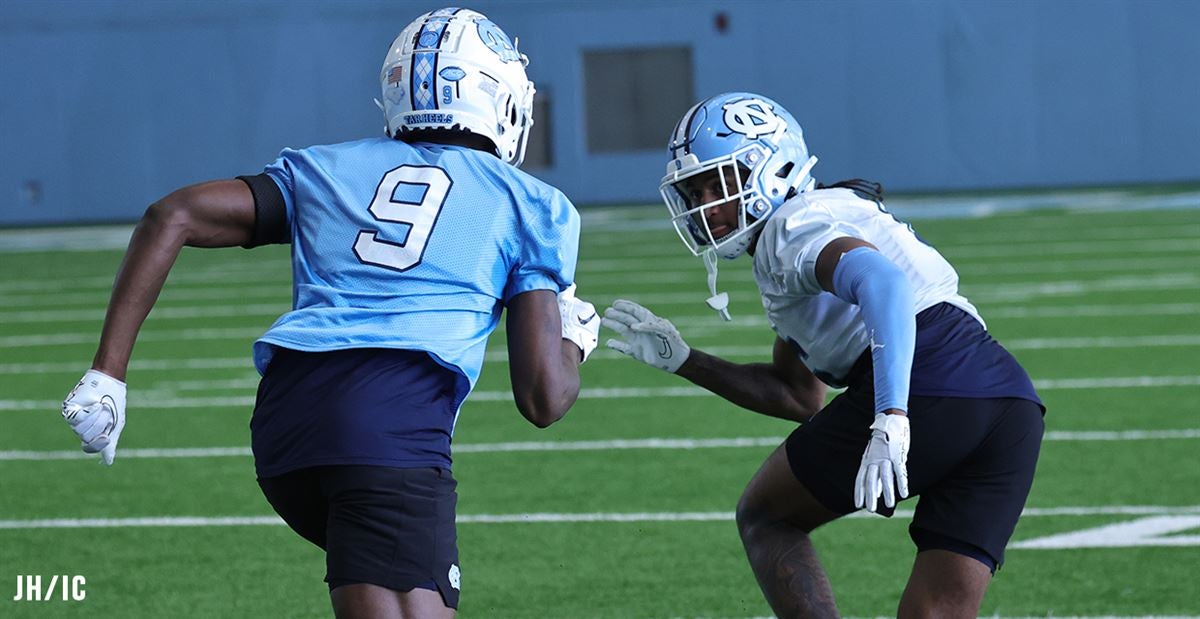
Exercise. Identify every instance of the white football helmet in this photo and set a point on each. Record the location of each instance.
(454, 69)
(758, 149)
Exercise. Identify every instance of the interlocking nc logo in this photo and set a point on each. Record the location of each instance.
(752, 117)
(497, 41)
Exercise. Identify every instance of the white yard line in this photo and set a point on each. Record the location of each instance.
(253, 332)
(156, 400)
(1054, 616)
(1153, 531)
(500, 355)
(160, 313)
(990, 312)
(166, 454)
(1066, 248)
(668, 255)
(192, 312)
(1126, 382)
(1079, 311)
(684, 321)
(621, 219)
(536, 518)
(155, 335)
(1135, 341)
(158, 403)
(969, 270)
(277, 291)
(174, 301)
(569, 446)
(272, 280)
(72, 367)
(673, 252)
(61, 239)
(1021, 291)
(266, 273)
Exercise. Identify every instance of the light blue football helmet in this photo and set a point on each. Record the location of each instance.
(758, 149)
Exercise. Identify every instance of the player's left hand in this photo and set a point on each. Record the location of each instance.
(95, 410)
(580, 323)
(884, 468)
(651, 339)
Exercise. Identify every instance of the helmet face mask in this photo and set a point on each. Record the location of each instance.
(734, 180)
(755, 147)
(453, 69)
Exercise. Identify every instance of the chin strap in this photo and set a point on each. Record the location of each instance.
(379, 104)
(718, 302)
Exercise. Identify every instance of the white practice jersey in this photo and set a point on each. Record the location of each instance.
(829, 331)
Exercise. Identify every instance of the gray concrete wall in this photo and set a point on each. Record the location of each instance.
(106, 106)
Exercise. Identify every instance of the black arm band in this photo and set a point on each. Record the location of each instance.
(270, 212)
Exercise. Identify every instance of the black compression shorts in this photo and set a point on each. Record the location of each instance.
(971, 461)
(378, 525)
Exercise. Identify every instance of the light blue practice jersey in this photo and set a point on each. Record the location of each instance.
(413, 246)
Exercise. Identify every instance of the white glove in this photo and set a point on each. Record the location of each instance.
(648, 338)
(579, 324)
(884, 468)
(95, 410)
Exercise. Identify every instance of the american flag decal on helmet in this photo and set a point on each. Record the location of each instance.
(395, 75)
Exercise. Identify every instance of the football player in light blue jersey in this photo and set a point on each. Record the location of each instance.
(857, 300)
(406, 249)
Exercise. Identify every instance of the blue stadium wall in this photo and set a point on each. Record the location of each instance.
(105, 106)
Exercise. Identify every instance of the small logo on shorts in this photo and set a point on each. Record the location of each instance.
(455, 577)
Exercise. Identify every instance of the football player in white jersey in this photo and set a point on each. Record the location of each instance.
(406, 249)
(933, 405)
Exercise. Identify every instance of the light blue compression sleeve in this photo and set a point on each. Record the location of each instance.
(881, 291)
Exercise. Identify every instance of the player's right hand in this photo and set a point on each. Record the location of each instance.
(579, 324)
(95, 410)
(645, 337)
(884, 467)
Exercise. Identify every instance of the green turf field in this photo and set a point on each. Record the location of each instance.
(624, 508)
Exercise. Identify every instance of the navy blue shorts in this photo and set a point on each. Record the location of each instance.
(971, 461)
(366, 406)
(377, 525)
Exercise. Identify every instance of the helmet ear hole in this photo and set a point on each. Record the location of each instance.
(505, 113)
